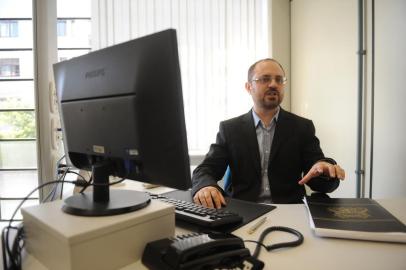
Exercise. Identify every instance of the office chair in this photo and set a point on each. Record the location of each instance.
(227, 181)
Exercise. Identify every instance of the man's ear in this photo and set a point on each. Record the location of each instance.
(248, 87)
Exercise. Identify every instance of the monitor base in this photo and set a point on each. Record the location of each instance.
(120, 202)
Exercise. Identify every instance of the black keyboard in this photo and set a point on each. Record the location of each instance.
(200, 215)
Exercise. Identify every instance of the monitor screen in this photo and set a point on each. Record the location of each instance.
(122, 114)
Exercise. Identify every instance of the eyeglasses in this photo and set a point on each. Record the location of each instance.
(268, 79)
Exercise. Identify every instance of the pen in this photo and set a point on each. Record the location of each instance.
(256, 225)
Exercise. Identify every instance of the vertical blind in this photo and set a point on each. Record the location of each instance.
(218, 40)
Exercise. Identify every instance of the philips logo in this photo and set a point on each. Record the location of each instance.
(94, 73)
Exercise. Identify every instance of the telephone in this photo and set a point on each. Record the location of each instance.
(199, 251)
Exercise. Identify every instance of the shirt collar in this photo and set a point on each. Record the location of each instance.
(257, 119)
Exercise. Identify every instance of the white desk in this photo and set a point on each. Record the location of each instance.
(318, 253)
(315, 253)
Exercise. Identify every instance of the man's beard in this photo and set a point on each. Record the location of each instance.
(272, 99)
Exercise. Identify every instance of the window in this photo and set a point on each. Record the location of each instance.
(75, 40)
(8, 28)
(217, 42)
(74, 31)
(74, 26)
(9, 67)
(18, 142)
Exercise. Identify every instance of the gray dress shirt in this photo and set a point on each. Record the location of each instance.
(265, 137)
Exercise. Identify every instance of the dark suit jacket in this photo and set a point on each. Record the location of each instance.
(295, 149)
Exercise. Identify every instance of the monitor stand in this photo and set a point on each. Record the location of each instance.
(103, 201)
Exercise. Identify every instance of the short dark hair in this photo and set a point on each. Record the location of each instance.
(252, 67)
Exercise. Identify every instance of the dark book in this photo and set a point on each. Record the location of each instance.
(363, 219)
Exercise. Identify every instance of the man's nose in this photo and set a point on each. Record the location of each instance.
(272, 83)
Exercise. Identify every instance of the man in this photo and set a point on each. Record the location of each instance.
(268, 150)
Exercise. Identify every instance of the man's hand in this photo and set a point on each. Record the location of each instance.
(323, 168)
(209, 197)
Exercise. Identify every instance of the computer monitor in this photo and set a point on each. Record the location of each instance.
(122, 114)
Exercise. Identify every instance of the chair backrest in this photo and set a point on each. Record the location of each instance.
(227, 181)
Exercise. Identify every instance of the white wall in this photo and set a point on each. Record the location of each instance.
(389, 143)
(324, 87)
(279, 40)
(323, 71)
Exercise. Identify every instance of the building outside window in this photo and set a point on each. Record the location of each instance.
(9, 67)
(61, 28)
(8, 28)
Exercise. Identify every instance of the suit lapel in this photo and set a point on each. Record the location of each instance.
(281, 133)
(251, 136)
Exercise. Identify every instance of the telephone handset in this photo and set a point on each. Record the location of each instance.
(199, 251)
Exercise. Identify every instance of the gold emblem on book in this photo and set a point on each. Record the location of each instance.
(349, 212)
